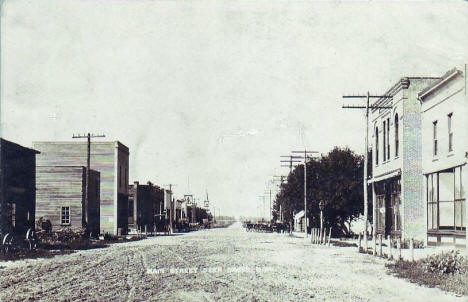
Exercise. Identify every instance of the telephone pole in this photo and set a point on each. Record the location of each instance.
(368, 106)
(306, 156)
(292, 159)
(88, 166)
(171, 206)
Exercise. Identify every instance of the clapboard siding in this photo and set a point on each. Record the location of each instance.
(104, 159)
(66, 186)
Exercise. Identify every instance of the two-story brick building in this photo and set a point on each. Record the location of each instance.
(145, 207)
(396, 181)
(444, 157)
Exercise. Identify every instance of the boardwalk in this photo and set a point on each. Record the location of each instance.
(212, 265)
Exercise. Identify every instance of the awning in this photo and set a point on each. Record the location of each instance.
(384, 176)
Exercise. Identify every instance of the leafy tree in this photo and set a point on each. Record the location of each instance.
(336, 179)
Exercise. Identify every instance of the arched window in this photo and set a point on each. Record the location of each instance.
(376, 145)
(397, 140)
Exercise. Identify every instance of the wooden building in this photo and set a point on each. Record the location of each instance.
(111, 159)
(444, 108)
(61, 197)
(17, 188)
(145, 207)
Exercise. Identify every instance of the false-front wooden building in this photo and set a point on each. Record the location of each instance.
(61, 197)
(17, 188)
(111, 160)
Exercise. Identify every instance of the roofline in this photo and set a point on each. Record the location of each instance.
(430, 89)
(402, 83)
(19, 146)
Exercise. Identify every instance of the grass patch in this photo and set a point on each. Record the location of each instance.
(447, 271)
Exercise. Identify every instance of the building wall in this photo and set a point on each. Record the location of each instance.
(407, 162)
(105, 158)
(413, 204)
(448, 99)
(17, 186)
(58, 187)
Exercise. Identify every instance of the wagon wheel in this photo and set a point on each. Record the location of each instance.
(8, 242)
(31, 239)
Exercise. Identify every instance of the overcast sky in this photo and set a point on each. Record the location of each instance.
(209, 94)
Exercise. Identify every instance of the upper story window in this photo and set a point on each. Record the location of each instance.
(376, 145)
(450, 132)
(397, 139)
(384, 141)
(434, 138)
(388, 138)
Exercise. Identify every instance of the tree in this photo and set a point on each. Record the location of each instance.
(336, 179)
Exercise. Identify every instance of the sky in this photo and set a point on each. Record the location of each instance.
(209, 94)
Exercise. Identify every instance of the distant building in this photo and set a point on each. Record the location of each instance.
(299, 222)
(111, 159)
(145, 207)
(17, 188)
(444, 156)
(61, 196)
(396, 182)
(169, 209)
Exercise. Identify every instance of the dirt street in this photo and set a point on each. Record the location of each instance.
(211, 265)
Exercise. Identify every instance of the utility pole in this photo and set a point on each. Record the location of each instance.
(306, 156)
(171, 207)
(367, 97)
(88, 166)
(292, 159)
(263, 199)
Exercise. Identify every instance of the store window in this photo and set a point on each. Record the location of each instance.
(446, 206)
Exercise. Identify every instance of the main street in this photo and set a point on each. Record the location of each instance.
(211, 265)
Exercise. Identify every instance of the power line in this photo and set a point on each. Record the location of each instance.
(368, 106)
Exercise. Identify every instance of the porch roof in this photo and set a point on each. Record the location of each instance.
(385, 175)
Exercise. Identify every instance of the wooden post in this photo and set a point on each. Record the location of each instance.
(380, 246)
(146, 230)
(374, 252)
(399, 248)
(412, 248)
(359, 247)
(329, 237)
(390, 247)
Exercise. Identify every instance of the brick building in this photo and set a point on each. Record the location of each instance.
(396, 182)
(145, 207)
